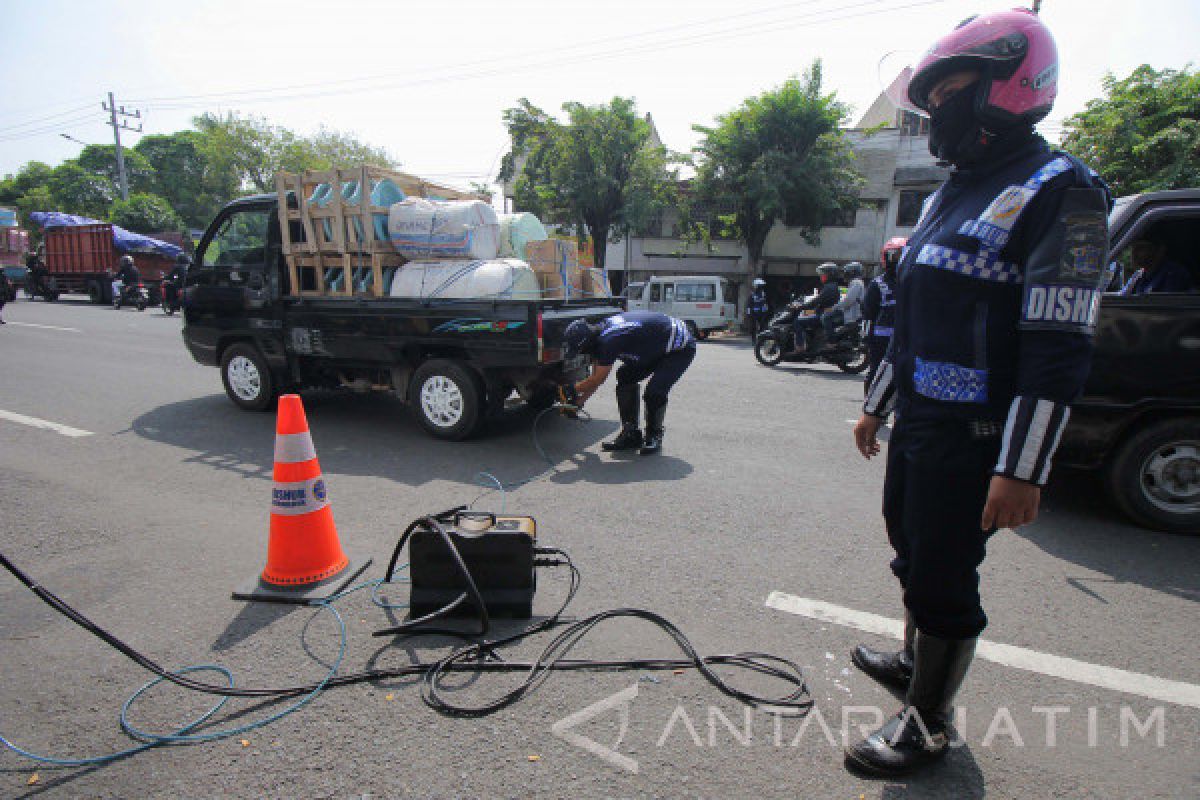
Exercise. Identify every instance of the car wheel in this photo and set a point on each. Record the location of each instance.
(1154, 477)
(448, 399)
(247, 379)
(768, 350)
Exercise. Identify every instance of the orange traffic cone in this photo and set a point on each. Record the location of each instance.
(305, 560)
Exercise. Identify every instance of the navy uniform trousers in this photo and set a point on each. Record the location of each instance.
(936, 485)
(664, 373)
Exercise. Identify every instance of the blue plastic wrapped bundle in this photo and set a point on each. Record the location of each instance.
(517, 230)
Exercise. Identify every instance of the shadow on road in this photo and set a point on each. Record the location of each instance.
(1080, 525)
(376, 435)
(958, 777)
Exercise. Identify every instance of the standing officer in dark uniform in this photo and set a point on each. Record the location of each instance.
(650, 345)
(879, 305)
(758, 308)
(996, 303)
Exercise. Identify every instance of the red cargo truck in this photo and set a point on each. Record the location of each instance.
(83, 259)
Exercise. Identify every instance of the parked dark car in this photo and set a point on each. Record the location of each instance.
(1139, 417)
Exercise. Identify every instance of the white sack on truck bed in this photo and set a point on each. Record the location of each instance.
(465, 229)
(502, 278)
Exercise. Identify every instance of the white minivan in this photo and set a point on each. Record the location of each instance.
(705, 302)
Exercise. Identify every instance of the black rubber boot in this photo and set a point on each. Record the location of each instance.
(918, 735)
(654, 429)
(892, 669)
(630, 437)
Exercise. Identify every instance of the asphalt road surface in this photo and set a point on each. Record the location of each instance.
(757, 529)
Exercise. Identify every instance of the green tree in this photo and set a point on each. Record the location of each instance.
(146, 213)
(253, 150)
(101, 160)
(779, 157)
(1144, 133)
(185, 177)
(37, 198)
(33, 175)
(76, 190)
(600, 172)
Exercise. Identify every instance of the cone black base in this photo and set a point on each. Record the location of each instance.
(307, 594)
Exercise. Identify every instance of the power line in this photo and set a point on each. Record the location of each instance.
(785, 23)
(723, 19)
(38, 120)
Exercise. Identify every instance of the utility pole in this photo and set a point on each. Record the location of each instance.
(1037, 6)
(117, 127)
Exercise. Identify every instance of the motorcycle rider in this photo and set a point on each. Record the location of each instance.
(5, 289)
(650, 345)
(879, 304)
(128, 275)
(825, 299)
(758, 308)
(849, 307)
(38, 274)
(996, 302)
(173, 282)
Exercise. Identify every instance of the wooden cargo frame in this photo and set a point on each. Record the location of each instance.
(344, 249)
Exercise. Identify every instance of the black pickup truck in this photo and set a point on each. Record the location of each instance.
(454, 361)
(1139, 417)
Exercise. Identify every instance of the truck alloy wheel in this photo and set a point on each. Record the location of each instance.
(247, 379)
(448, 399)
(1155, 476)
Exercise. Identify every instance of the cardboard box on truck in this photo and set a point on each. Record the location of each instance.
(556, 262)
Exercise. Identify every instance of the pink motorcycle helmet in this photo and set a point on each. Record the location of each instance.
(1017, 60)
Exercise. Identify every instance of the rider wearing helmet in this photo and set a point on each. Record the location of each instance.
(879, 304)
(758, 308)
(649, 345)
(848, 309)
(127, 274)
(996, 305)
(825, 299)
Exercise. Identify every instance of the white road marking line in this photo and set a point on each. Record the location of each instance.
(1178, 692)
(34, 422)
(47, 327)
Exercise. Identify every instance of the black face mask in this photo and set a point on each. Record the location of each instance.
(954, 132)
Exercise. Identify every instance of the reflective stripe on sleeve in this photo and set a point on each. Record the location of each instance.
(1031, 435)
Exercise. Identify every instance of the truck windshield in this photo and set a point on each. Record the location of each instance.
(240, 241)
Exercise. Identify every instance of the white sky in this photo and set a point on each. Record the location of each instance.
(428, 81)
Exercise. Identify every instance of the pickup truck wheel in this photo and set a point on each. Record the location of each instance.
(247, 378)
(1155, 476)
(448, 399)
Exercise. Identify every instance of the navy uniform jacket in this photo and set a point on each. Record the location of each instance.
(996, 300)
(879, 307)
(640, 337)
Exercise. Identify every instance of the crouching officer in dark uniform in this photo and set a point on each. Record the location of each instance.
(650, 345)
(879, 305)
(996, 303)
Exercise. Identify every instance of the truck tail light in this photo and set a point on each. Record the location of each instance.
(540, 342)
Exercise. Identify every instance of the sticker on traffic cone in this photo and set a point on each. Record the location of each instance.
(305, 560)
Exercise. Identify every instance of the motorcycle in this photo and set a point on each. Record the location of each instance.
(135, 294)
(172, 296)
(847, 350)
(44, 286)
